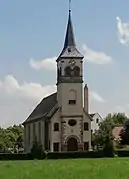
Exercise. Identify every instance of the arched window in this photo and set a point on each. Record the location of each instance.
(76, 71)
(56, 126)
(72, 97)
(67, 71)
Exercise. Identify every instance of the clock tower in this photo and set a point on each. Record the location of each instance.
(70, 73)
(70, 86)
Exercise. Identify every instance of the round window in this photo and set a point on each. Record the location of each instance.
(72, 122)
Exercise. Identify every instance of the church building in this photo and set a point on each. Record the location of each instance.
(61, 122)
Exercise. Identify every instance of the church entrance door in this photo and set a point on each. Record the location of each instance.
(72, 145)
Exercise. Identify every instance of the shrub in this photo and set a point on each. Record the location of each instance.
(65, 155)
(9, 156)
(108, 149)
(123, 153)
(37, 151)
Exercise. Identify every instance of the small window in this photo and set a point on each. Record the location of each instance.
(56, 147)
(72, 122)
(69, 49)
(86, 126)
(97, 120)
(72, 102)
(56, 126)
(86, 146)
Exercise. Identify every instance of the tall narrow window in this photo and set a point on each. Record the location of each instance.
(56, 147)
(29, 133)
(72, 97)
(67, 71)
(86, 126)
(86, 146)
(46, 133)
(39, 128)
(76, 71)
(97, 120)
(56, 126)
(34, 131)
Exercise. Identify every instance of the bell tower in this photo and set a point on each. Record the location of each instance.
(70, 75)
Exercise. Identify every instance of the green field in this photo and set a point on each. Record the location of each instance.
(66, 169)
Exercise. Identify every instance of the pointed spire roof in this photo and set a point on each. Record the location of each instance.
(69, 39)
(69, 49)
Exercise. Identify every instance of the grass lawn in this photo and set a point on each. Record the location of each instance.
(117, 168)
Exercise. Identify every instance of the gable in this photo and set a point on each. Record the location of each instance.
(95, 116)
(43, 108)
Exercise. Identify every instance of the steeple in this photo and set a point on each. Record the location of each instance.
(69, 49)
(69, 39)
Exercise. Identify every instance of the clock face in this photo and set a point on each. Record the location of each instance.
(72, 63)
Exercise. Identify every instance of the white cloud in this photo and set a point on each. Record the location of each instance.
(96, 97)
(122, 31)
(18, 100)
(47, 64)
(90, 56)
(95, 57)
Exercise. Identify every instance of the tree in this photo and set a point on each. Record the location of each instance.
(124, 134)
(104, 136)
(10, 137)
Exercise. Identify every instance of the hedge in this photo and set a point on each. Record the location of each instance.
(56, 155)
(65, 155)
(21, 156)
(123, 153)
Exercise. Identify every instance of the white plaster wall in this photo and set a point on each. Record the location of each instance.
(28, 145)
(55, 136)
(63, 95)
(94, 125)
(87, 134)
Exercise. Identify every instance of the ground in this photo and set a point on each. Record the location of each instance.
(117, 168)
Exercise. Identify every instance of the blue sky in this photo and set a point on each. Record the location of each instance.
(33, 32)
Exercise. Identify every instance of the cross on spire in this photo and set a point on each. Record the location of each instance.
(69, 5)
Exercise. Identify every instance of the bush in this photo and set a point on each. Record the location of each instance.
(109, 150)
(9, 156)
(37, 151)
(123, 153)
(65, 155)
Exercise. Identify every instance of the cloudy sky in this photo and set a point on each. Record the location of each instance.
(31, 37)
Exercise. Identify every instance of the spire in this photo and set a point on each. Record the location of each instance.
(69, 39)
(69, 49)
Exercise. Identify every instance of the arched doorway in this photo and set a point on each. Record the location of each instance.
(72, 144)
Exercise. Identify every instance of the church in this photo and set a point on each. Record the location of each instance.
(61, 121)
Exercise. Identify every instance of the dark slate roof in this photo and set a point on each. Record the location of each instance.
(92, 115)
(69, 49)
(43, 108)
(69, 38)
